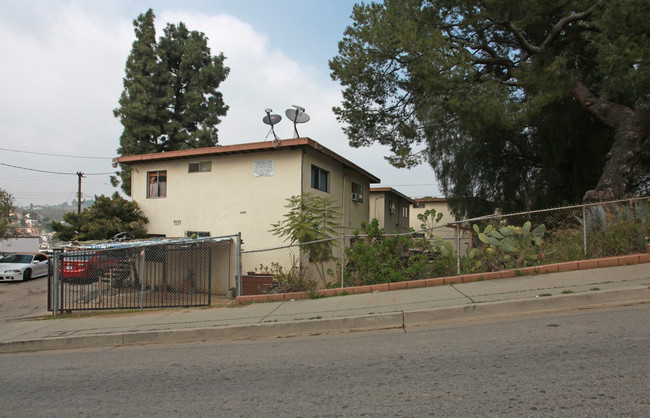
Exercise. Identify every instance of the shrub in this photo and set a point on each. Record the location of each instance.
(377, 258)
(295, 279)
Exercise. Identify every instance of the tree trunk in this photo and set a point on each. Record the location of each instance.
(631, 128)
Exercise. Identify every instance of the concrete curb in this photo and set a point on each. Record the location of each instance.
(591, 300)
(370, 322)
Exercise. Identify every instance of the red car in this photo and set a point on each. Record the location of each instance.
(76, 267)
(85, 267)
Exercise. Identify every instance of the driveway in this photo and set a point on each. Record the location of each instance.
(22, 300)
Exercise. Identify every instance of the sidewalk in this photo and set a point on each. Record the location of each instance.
(610, 286)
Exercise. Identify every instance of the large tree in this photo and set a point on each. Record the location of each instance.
(6, 213)
(513, 103)
(107, 217)
(170, 99)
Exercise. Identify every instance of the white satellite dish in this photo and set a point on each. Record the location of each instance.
(270, 119)
(297, 115)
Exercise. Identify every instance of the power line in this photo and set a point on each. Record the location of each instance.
(55, 155)
(56, 172)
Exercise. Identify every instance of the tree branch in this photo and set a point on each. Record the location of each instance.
(602, 109)
(532, 49)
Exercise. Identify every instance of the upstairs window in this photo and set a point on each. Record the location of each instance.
(198, 234)
(405, 211)
(320, 179)
(357, 192)
(157, 184)
(201, 167)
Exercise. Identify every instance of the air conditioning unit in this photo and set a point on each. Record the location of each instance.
(354, 196)
(391, 211)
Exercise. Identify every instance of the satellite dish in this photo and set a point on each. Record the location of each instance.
(297, 115)
(270, 119)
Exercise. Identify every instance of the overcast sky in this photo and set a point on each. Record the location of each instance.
(63, 63)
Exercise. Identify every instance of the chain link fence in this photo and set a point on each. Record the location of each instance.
(484, 244)
(557, 235)
(143, 275)
(187, 272)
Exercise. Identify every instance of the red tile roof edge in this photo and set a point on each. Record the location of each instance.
(243, 148)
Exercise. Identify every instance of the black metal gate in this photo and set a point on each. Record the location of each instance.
(165, 274)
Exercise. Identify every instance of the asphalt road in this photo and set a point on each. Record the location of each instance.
(584, 363)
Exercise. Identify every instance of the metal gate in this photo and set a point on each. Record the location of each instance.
(143, 275)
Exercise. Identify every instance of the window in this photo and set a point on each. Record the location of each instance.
(405, 211)
(357, 193)
(391, 207)
(320, 179)
(201, 167)
(199, 234)
(157, 181)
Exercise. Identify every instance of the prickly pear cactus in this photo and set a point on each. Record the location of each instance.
(518, 245)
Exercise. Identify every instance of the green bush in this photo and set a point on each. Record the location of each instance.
(295, 279)
(617, 231)
(378, 258)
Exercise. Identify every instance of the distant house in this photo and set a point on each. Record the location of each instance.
(419, 206)
(243, 188)
(391, 208)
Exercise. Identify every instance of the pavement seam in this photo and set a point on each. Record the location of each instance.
(458, 290)
(272, 312)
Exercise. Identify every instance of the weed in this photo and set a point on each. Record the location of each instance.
(595, 288)
(543, 295)
(567, 292)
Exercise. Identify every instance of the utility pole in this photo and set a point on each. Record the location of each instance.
(80, 175)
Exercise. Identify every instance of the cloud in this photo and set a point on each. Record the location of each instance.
(63, 78)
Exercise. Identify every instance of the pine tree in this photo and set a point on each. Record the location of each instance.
(170, 99)
(104, 219)
(491, 94)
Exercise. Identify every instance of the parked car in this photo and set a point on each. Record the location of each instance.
(87, 267)
(76, 267)
(23, 266)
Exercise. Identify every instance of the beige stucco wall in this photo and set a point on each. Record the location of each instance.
(341, 179)
(227, 200)
(231, 199)
(440, 207)
(393, 223)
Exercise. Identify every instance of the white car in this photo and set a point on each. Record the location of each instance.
(23, 266)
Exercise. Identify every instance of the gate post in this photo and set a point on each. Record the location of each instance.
(343, 260)
(142, 276)
(584, 228)
(458, 248)
(55, 283)
(239, 264)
